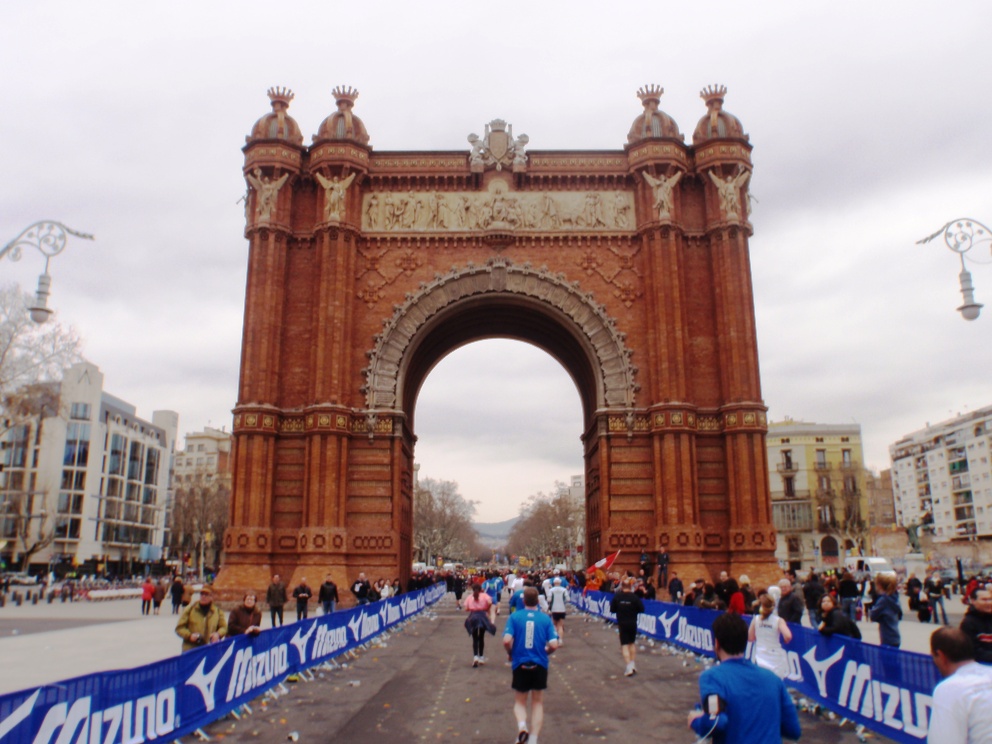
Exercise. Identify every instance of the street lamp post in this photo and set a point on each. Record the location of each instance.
(49, 238)
(961, 235)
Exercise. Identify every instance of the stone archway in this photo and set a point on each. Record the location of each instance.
(590, 333)
(365, 268)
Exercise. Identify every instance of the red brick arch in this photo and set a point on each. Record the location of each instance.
(365, 268)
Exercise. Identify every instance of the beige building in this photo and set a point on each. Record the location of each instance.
(819, 493)
(198, 510)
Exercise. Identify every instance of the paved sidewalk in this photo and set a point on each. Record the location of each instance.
(46, 643)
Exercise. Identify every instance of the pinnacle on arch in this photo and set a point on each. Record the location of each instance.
(281, 95)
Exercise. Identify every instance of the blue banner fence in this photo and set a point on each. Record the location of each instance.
(168, 699)
(887, 690)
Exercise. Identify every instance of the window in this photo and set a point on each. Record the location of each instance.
(845, 456)
(151, 466)
(77, 445)
(789, 486)
(118, 446)
(199, 448)
(787, 459)
(135, 461)
(821, 458)
(80, 411)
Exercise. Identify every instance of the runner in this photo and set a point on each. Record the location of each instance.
(558, 601)
(528, 639)
(627, 606)
(478, 623)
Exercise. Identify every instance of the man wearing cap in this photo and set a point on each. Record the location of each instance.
(202, 622)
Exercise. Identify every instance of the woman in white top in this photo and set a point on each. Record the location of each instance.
(766, 630)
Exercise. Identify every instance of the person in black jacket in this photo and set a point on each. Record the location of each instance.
(327, 595)
(790, 606)
(302, 594)
(675, 589)
(360, 588)
(627, 606)
(835, 621)
(977, 623)
(275, 597)
(812, 592)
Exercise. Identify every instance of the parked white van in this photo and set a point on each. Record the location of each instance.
(871, 565)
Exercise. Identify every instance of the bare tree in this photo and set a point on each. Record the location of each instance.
(30, 353)
(442, 521)
(549, 527)
(200, 512)
(32, 359)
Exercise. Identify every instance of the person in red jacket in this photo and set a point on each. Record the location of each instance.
(147, 592)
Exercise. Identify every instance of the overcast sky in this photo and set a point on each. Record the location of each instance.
(870, 124)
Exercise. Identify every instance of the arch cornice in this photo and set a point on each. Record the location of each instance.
(615, 374)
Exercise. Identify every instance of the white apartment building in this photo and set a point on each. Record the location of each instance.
(942, 477)
(90, 474)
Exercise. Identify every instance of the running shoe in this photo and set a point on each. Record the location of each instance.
(522, 737)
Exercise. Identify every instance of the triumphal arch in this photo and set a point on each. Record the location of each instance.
(365, 268)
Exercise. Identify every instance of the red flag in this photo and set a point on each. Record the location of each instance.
(603, 563)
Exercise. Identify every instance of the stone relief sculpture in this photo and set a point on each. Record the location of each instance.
(334, 191)
(267, 190)
(436, 211)
(663, 189)
(729, 191)
(372, 212)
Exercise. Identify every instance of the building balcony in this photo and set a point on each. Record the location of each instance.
(786, 467)
(850, 466)
(794, 495)
(826, 525)
(822, 467)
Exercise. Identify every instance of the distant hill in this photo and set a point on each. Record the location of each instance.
(495, 534)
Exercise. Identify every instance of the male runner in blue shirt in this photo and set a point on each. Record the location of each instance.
(529, 638)
(741, 702)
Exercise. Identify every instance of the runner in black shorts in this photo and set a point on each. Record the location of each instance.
(528, 677)
(627, 606)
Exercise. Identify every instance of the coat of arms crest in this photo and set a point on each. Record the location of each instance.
(498, 148)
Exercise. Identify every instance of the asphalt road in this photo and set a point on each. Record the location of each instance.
(420, 687)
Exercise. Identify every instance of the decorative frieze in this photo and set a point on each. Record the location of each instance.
(469, 211)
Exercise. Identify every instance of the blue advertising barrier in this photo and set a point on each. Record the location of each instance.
(168, 699)
(887, 690)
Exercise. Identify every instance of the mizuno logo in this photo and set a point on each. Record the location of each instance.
(205, 682)
(667, 622)
(300, 641)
